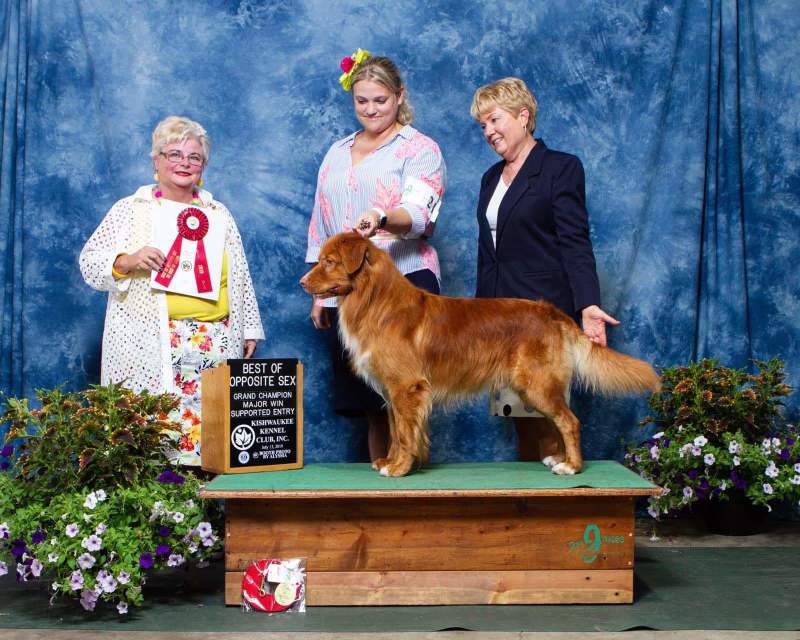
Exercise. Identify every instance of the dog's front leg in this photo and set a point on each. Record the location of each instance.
(410, 406)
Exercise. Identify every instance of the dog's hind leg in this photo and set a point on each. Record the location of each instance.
(547, 395)
(410, 406)
(379, 463)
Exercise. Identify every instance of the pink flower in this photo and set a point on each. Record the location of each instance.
(387, 197)
(347, 64)
(413, 147)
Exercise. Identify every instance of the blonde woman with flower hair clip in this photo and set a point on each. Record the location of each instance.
(385, 181)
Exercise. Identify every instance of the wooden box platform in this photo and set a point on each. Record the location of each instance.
(493, 533)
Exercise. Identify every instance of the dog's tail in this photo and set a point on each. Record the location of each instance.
(603, 370)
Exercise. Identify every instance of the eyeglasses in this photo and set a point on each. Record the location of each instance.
(195, 159)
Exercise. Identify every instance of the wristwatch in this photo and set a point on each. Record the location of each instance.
(382, 217)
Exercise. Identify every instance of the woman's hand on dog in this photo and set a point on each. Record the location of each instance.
(594, 321)
(320, 316)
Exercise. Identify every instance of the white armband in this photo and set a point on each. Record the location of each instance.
(418, 193)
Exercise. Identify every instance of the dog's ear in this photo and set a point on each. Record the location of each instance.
(353, 254)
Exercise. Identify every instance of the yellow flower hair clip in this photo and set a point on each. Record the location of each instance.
(349, 64)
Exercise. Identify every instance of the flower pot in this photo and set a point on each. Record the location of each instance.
(735, 517)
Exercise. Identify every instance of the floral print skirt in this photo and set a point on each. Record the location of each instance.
(194, 346)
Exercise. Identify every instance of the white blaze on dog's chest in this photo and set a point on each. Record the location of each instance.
(359, 358)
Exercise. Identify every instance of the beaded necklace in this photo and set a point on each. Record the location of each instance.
(196, 202)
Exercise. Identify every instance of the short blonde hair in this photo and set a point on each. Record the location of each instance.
(177, 129)
(383, 71)
(511, 94)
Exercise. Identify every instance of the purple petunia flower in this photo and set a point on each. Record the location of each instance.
(38, 536)
(164, 531)
(88, 599)
(170, 477)
(86, 561)
(18, 547)
(738, 483)
(163, 550)
(692, 473)
(76, 580)
(785, 455)
(146, 560)
(4, 465)
(92, 543)
(6, 451)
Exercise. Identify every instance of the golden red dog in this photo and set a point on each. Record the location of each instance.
(416, 348)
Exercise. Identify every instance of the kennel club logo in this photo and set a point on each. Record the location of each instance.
(589, 548)
(243, 437)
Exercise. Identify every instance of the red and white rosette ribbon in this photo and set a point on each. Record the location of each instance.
(257, 594)
(192, 225)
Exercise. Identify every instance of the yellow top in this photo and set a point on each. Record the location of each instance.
(182, 307)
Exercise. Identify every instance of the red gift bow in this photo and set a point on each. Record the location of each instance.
(201, 274)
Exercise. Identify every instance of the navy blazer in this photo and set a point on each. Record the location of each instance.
(543, 247)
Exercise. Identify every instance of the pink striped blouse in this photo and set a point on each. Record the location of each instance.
(408, 171)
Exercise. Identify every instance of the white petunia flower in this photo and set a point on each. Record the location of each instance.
(122, 607)
(776, 443)
(767, 488)
(100, 495)
(797, 467)
(733, 447)
(76, 580)
(36, 568)
(723, 485)
(736, 461)
(204, 529)
(652, 511)
(175, 560)
(697, 451)
(52, 557)
(795, 479)
(71, 530)
(123, 578)
(771, 470)
(91, 501)
(177, 517)
(4, 530)
(700, 441)
(189, 504)
(709, 459)
(3, 568)
(100, 529)
(687, 492)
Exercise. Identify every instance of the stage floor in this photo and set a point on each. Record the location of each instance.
(678, 587)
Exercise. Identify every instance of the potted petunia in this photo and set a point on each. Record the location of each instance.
(722, 443)
(89, 502)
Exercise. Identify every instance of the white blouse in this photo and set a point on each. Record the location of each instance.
(494, 207)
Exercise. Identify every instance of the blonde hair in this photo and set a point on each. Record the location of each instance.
(383, 71)
(511, 94)
(177, 129)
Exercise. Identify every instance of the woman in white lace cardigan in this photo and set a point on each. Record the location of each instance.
(162, 341)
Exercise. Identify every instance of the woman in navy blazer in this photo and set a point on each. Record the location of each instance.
(533, 239)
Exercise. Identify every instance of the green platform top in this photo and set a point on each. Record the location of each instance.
(599, 477)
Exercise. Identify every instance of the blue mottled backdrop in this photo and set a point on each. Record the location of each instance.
(684, 114)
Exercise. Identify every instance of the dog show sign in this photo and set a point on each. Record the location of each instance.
(252, 416)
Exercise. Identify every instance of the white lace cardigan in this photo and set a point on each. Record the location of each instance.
(136, 346)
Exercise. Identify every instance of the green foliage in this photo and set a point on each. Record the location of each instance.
(91, 502)
(722, 435)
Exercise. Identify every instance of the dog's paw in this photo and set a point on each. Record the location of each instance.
(563, 469)
(549, 461)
